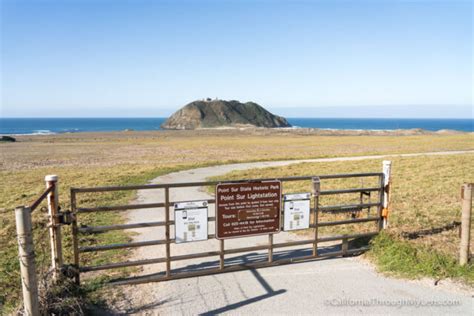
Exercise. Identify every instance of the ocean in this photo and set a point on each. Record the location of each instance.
(44, 126)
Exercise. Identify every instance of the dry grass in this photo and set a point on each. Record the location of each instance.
(174, 147)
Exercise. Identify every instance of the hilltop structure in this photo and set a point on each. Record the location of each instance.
(208, 113)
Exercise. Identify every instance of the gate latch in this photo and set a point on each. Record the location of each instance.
(65, 218)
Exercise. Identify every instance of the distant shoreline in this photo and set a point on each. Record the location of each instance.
(53, 126)
(320, 131)
(245, 131)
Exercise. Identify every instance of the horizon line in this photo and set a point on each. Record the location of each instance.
(287, 117)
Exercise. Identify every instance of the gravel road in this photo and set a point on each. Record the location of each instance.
(332, 286)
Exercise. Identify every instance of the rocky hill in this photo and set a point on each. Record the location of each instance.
(220, 113)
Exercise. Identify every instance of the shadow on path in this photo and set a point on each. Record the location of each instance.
(262, 281)
(249, 258)
(266, 286)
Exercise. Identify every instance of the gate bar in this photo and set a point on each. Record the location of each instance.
(207, 183)
(354, 190)
(100, 229)
(348, 206)
(349, 221)
(38, 201)
(122, 264)
(121, 246)
(119, 207)
(129, 207)
(346, 236)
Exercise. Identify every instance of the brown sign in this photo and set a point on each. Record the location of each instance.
(245, 209)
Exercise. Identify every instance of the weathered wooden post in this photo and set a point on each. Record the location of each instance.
(466, 195)
(54, 226)
(26, 256)
(387, 172)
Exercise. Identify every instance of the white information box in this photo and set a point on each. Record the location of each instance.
(296, 211)
(190, 221)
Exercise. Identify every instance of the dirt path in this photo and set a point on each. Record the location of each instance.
(304, 288)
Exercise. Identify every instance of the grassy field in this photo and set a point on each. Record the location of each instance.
(92, 159)
(180, 147)
(425, 194)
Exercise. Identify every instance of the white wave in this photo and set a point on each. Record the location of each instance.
(291, 127)
(41, 132)
(29, 134)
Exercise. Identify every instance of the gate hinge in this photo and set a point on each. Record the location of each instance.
(65, 218)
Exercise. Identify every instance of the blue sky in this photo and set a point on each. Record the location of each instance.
(297, 58)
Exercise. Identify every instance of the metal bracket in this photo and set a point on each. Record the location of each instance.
(316, 186)
(65, 218)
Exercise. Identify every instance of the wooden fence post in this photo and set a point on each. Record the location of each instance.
(26, 256)
(387, 171)
(466, 195)
(54, 226)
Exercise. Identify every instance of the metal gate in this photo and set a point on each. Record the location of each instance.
(368, 209)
